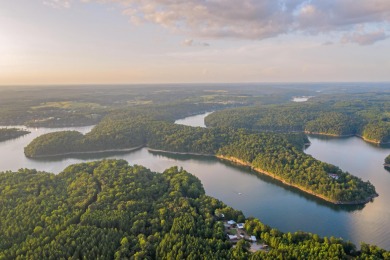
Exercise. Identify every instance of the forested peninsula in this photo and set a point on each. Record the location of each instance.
(279, 155)
(387, 162)
(110, 210)
(11, 133)
(365, 116)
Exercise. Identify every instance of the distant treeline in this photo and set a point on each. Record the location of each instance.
(110, 210)
(64, 106)
(280, 155)
(11, 133)
(363, 115)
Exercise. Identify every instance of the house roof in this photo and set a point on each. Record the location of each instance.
(231, 237)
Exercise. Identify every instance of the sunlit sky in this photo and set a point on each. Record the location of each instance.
(163, 41)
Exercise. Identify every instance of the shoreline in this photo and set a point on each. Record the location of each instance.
(230, 159)
(19, 133)
(274, 176)
(371, 141)
(88, 152)
(326, 134)
(351, 135)
(180, 153)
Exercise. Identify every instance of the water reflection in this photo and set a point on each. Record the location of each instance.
(345, 138)
(364, 160)
(262, 177)
(257, 195)
(196, 121)
(88, 156)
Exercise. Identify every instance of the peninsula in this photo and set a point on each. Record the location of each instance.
(365, 116)
(11, 133)
(279, 155)
(387, 163)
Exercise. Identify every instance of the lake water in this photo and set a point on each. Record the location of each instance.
(260, 196)
(301, 99)
(197, 120)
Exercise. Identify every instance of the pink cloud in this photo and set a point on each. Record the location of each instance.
(258, 19)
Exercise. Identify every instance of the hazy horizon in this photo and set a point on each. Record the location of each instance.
(172, 84)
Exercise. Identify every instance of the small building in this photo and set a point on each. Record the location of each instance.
(240, 225)
(231, 222)
(333, 175)
(253, 239)
(233, 237)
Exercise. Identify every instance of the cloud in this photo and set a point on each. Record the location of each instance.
(255, 19)
(328, 43)
(60, 4)
(333, 15)
(188, 42)
(191, 42)
(364, 38)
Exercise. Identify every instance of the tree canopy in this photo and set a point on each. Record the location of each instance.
(109, 209)
(11, 133)
(279, 154)
(363, 115)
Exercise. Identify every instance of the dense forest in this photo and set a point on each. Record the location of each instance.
(108, 209)
(62, 106)
(279, 155)
(364, 115)
(11, 133)
(387, 159)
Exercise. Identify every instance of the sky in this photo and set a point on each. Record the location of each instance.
(193, 41)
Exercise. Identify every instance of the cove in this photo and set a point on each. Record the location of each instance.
(274, 204)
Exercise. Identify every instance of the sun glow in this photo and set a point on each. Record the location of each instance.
(8, 48)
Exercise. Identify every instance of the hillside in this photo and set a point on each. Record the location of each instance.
(108, 209)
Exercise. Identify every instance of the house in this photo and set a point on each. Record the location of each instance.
(253, 239)
(233, 237)
(333, 175)
(240, 225)
(231, 222)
